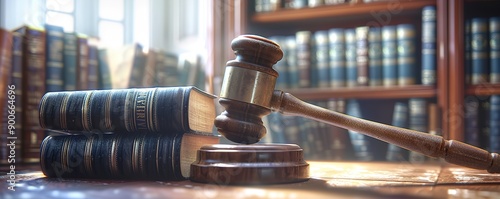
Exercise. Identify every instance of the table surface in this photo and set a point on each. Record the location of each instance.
(328, 180)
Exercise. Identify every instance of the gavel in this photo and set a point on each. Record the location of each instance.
(248, 94)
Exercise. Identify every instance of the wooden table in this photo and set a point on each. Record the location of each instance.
(328, 180)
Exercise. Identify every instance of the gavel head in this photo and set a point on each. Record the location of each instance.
(247, 89)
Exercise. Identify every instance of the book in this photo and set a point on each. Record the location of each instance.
(137, 68)
(429, 45)
(467, 52)
(337, 57)
(484, 122)
(70, 61)
(166, 69)
(362, 55)
(141, 110)
(494, 123)
(417, 121)
(321, 63)
(104, 74)
(303, 46)
(164, 156)
(82, 66)
(350, 58)
(6, 101)
(479, 50)
(54, 76)
(375, 56)
(361, 144)
(338, 138)
(33, 73)
(281, 66)
(494, 29)
(292, 62)
(471, 119)
(399, 119)
(406, 36)
(389, 56)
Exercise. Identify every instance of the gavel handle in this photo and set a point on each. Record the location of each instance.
(452, 151)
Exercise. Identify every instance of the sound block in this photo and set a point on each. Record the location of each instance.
(256, 164)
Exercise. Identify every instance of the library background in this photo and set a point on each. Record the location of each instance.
(427, 65)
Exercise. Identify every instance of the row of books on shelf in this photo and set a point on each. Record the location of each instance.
(274, 5)
(360, 56)
(36, 60)
(482, 50)
(325, 142)
(482, 121)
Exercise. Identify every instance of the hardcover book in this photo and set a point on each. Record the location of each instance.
(6, 104)
(350, 58)
(479, 48)
(163, 156)
(471, 119)
(375, 56)
(389, 56)
(406, 54)
(321, 70)
(54, 78)
(494, 49)
(399, 119)
(417, 121)
(362, 55)
(82, 66)
(494, 123)
(70, 61)
(361, 144)
(292, 62)
(162, 109)
(303, 39)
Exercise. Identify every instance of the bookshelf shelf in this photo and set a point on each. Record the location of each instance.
(358, 10)
(483, 89)
(368, 92)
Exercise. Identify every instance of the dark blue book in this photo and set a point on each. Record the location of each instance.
(70, 61)
(54, 76)
(429, 45)
(104, 74)
(495, 49)
(406, 54)
(320, 77)
(303, 39)
(281, 65)
(362, 54)
(82, 66)
(479, 50)
(291, 60)
(375, 56)
(93, 65)
(471, 121)
(417, 121)
(350, 58)
(389, 56)
(399, 119)
(362, 147)
(337, 57)
(484, 123)
(495, 123)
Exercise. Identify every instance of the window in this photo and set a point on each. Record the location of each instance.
(111, 26)
(61, 13)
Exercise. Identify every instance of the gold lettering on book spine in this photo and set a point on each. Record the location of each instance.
(86, 114)
(152, 121)
(140, 110)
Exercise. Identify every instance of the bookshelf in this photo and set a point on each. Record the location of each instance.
(286, 21)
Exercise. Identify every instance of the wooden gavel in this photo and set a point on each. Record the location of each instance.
(248, 94)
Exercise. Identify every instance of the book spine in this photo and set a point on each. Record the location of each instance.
(494, 49)
(389, 56)
(375, 56)
(471, 118)
(17, 80)
(362, 55)
(399, 119)
(93, 66)
(139, 60)
(6, 102)
(281, 65)
(104, 74)
(337, 58)
(303, 39)
(54, 78)
(468, 52)
(417, 121)
(292, 62)
(361, 144)
(479, 48)
(321, 59)
(484, 123)
(70, 61)
(339, 138)
(350, 58)
(429, 45)
(33, 89)
(128, 110)
(406, 54)
(83, 63)
(112, 156)
(494, 123)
